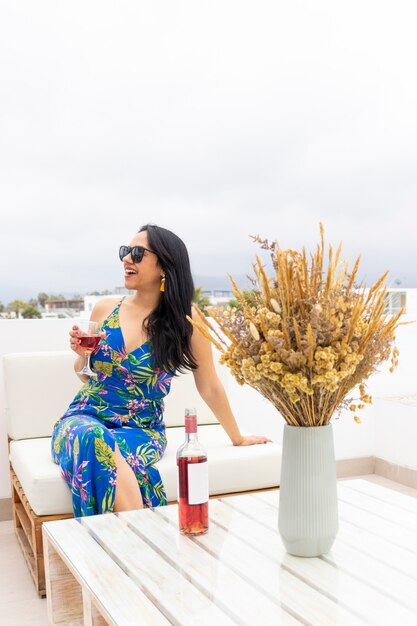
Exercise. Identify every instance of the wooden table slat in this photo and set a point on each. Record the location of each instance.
(378, 492)
(393, 586)
(94, 569)
(389, 530)
(306, 587)
(176, 597)
(400, 560)
(386, 510)
(233, 593)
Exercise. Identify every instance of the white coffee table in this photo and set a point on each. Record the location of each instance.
(136, 568)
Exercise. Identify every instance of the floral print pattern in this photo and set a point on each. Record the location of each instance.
(123, 405)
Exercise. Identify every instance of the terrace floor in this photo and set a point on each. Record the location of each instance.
(20, 604)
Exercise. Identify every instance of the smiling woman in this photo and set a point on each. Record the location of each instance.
(157, 267)
(113, 433)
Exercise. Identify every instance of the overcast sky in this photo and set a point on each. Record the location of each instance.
(217, 120)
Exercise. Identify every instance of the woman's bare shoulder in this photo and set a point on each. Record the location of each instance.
(104, 307)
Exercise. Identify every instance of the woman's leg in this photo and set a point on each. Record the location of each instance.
(91, 463)
(128, 494)
(85, 450)
(142, 449)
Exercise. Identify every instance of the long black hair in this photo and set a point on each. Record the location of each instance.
(167, 326)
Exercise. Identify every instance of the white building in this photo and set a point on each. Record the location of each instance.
(218, 296)
(90, 300)
(398, 297)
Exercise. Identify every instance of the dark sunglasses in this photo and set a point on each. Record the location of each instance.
(136, 253)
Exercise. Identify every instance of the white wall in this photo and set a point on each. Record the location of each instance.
(395, 402)
(256, 415)
(388, 429)
(411, 301)
(403, 382)
(396, 431)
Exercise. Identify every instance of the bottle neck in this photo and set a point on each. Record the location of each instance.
(189, 437)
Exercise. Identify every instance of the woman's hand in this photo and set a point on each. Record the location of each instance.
(249, 440)
(75, 334)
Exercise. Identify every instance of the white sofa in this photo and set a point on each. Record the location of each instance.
(38, 388)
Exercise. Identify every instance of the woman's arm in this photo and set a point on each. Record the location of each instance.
(212, 391)
(100, 311)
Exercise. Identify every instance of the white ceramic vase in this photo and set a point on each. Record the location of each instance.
(308, 514)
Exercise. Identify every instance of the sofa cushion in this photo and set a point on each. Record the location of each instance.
(40, 477)
(40, 385)
(231, 468)
(184, 394)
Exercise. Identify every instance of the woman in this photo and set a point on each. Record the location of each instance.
(111, 436)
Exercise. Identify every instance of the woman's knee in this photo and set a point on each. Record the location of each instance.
(90, 440)
(89, 430)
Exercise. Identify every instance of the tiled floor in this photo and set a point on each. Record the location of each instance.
(20, 604)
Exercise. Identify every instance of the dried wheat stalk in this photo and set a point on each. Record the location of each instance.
(306, 339)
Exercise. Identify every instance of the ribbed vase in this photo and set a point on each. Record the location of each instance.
(308, 516)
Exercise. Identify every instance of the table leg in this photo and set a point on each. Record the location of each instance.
(92, 617)
(63, 592)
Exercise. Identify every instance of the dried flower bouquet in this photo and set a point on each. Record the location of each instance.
(304, 339)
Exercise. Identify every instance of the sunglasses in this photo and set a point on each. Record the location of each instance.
(136, 253)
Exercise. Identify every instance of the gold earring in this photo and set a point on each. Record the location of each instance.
(162, 287)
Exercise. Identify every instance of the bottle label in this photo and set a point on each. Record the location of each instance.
(198, 483)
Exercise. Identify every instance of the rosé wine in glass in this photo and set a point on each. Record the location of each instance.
(89, 339)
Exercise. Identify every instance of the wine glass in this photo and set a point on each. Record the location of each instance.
(89, 337)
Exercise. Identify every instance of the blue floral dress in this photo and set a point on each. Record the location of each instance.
(124, 404)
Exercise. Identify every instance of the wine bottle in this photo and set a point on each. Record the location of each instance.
(193, 487)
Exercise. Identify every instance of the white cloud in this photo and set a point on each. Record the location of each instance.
(216, 120)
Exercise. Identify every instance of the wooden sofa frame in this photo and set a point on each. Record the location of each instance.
(28, 529)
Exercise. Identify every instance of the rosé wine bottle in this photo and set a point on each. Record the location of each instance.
(193, 486)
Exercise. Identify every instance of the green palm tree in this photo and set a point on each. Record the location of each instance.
(201, 300)
(30, 312)
(249, 297)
